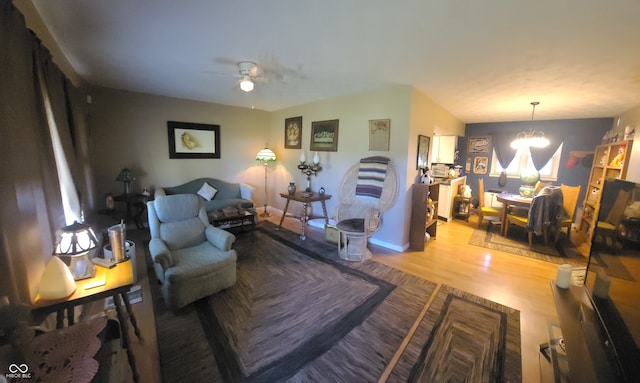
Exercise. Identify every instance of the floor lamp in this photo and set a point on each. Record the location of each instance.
(266, 156)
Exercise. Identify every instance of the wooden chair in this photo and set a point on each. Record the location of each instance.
(540, 186)
(570, 196)
(484, 211)
(547, 200)
(608, 229)
(521, 221)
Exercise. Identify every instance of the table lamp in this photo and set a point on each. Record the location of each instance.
(126, 176)
(76, 240)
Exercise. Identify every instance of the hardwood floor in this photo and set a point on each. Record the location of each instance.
(514, 281)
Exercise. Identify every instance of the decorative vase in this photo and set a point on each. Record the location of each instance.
(528, 177)
(321, 191)
(292, 188)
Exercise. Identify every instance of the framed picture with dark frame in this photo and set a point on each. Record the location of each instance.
(423, 152)
(293, 133)
(192, 140)
(479, 145)
(324, 136)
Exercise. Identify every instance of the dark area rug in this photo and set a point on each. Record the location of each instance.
(297, 313)
(488, 236)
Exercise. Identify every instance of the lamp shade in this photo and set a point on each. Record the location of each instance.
(266, 155)
(57, 281)
(126, 175)
(246, 84)
(75, 239)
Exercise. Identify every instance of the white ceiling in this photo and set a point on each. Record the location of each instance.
(483, 61)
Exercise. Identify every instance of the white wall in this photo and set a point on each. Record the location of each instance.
(130, 130)
(353, 113)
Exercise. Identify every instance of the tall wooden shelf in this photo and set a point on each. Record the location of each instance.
(605, 166)
(424, 199)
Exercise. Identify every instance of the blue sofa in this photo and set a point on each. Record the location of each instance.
(228, 195)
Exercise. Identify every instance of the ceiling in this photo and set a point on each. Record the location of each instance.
(483, 61)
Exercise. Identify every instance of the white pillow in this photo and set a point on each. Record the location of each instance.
(207, 191)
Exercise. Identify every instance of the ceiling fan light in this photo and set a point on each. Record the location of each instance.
(246, 84)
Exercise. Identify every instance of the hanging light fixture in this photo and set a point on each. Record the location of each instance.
(530, 138)
(246, 84)
(248, 70)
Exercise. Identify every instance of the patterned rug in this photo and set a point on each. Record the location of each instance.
(297, 313)
(488, 236)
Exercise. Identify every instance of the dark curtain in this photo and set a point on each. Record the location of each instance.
(540, 156)
(31, 208)
(504, 152)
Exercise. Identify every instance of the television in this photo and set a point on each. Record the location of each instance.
(613, 279)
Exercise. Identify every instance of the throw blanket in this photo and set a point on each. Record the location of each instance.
(371, 175)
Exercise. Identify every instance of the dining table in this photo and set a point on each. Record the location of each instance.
(511, 200)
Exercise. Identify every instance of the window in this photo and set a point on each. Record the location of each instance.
(523, 161)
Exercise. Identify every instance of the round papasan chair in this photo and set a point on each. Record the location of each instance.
(368, 189)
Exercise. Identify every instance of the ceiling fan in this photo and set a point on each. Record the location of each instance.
(248, 70)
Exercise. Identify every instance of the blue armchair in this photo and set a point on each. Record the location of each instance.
(192, 259)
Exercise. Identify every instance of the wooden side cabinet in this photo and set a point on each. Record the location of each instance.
(424, 214)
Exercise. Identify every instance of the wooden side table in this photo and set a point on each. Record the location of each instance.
(305, 200)
(114, 282)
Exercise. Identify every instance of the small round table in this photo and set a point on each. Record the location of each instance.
(353, 240)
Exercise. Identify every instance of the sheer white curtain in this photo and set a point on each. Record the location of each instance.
(70, 201)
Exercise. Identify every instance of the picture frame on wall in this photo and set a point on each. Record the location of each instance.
(324, 136)
(479, 145)
(480, 165)
(193, 140)
(379, 133)
(422, 161)
(293, 133)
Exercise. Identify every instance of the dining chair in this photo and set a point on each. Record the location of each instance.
(570, 196)
(541, 185)
(543, 215)
(484, 211)
(608, 229)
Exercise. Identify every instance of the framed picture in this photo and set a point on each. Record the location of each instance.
(479, 145)
(324, 136)
(379, 132)
(293, 133)
(423, 152)
(480, 165)
(191, 140)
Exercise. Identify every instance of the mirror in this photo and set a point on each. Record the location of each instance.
(613, 271)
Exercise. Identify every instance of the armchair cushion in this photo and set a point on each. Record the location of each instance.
(198, 261)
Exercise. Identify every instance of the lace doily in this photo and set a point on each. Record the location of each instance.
(66, 355)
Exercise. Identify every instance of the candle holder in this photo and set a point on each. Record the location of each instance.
(309, 169)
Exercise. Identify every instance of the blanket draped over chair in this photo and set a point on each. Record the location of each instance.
(371, 175)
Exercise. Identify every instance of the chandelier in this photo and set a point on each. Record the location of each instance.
(530, 138)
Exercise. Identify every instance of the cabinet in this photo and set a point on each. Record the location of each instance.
(447, 195)
(611, 161)
(444, 149)
(424, 216)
